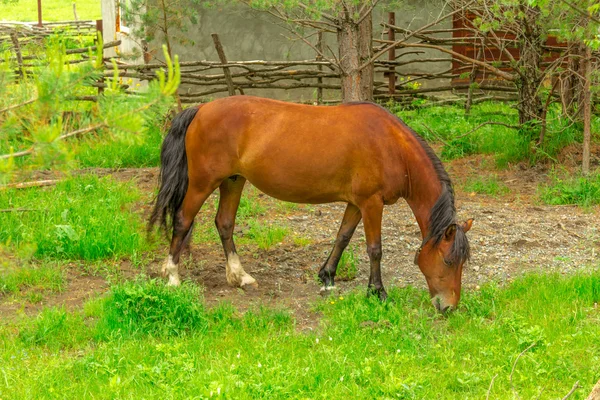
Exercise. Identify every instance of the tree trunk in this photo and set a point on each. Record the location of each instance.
(530, 42)
(572, 85)
(587, 110)
(354, 41)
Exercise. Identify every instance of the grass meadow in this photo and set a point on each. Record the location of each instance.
(531, 338)
(52, 11)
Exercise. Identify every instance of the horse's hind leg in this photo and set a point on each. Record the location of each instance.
(372, 211)
(195, 197)
(349, 222)
(231, 192)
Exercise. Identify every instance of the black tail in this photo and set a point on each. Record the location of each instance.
(173, 171)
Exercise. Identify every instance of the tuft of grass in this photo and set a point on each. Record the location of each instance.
(150, 307)
(83, 217)
(346, 270)
(55, 328)
(489, 185)
(43, 277)
(250, 207)
(265, 236)
(580, 190)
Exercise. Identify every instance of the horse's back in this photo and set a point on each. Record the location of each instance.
(296, 152)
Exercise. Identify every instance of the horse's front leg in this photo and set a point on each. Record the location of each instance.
(349, 222)
(372, 212)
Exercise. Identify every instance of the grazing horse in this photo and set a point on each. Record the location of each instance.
(356, 153)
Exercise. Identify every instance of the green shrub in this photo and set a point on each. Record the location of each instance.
(150, 307)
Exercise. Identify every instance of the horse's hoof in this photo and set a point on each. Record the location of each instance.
(380, 293)
(174, 280)
(248, 282)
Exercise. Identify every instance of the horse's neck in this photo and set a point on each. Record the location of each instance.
(424, 190)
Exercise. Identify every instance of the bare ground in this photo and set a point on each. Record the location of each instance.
(512, 234)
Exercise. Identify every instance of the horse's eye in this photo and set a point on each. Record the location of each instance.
(448, 263)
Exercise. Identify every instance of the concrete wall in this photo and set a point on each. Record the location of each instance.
(247, 34)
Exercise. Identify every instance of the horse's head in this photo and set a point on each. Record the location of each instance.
(441, 261)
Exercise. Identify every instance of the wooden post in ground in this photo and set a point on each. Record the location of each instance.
(392, 54)
(223, 59)
(15, 41)
(320, 67)
(39, 2)
(587, 110)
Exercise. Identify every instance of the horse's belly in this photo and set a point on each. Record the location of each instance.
(296, 188)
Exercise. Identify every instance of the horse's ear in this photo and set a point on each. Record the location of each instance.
(450, 232)
(467, 225)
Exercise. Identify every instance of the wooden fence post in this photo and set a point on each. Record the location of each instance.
(223, 59)
(39, 3)
(392, 54)
(319, 67)
(15, 40)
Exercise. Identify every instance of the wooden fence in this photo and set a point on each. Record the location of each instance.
(445, 48)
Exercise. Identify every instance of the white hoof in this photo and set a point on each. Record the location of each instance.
(169, 269)
(247, 280)
(235, 274)
(328, 289)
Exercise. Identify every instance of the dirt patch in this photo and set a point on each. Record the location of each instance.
(512, 234)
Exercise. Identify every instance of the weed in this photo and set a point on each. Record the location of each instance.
(44, 277)
(250, 207)
(150, 307)
(580, 190)
(302, 241)
(346, 270)
(55, 328)
(265, 236)
(83, 217)
(489, 185)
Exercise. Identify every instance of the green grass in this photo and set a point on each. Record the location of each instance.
(265, 236)
(489, 185)
(55, 10)
(346, 270)
(83, 217)
(450, 125)
(116, 153)
(580, 190)
(162, 343)
(44, 277)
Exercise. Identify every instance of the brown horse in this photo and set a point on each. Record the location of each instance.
(356, 153)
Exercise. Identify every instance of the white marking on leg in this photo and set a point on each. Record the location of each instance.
(236, 276)
(328, 288)
(170, 269)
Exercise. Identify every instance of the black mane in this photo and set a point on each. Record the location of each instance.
(443, 212)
